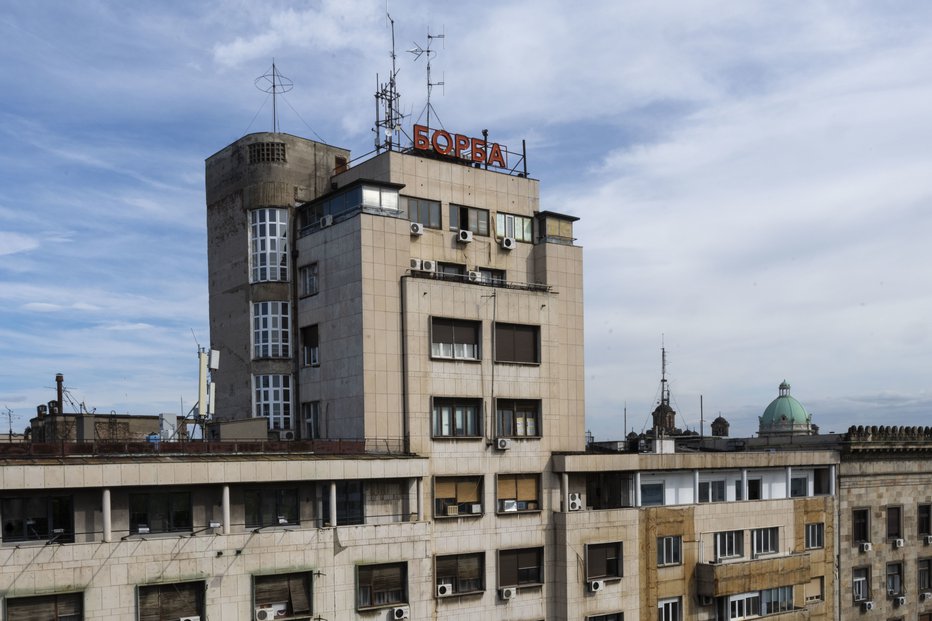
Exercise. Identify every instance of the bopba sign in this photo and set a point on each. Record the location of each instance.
(459, 146)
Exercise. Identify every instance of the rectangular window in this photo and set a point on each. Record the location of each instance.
(776, 600)
(517, 343)
(894, 522)
(743, 606)
(729, 544)
(270, 507)
(517, 227)
(268, 245)
(454, 338)
(270, 330)
(603, 560)
(272, 398)
(60, 607)
(309, 279)
(451, 271)
(766, 541)
(669, 550)
(457, 496)
(381, 585)
(350, 505)
(518, 492)
(670, 609)
(310, 346)
(894, 578)
(520, 567)
(861, 584)
(923, 568)
(160, 512)
(612, 616)
(799, 487)
(517, 418)
(754, 489)
(283, 596)
(460, 573)
(860, 525)
(310, 414)
(815, 535)
(469, 219)
(425, 211)
(170, 602)
(457, 418)
(924, 520)
(38, 518)
(489, 276)
(711, 491)
(651, 494)
(815, 590)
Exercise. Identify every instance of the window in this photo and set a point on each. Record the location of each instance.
(924, 520)
(454, 338)
(711, 491)
(517, 418)
(38, 518)
(160, 512)
(266, 152)
(614, 616)
(754, 489)
(455, 496)
(517, 343)
(270, 330)
(923, 568)
(669, 609)
(378, 197)
(310, 346)
(861, 583)
(669, 550)
(424, 211)
(894, 522)
(518, 492)
(729, 544)
(293, 591)
(310, 413)
(273, 399)
(451, 271)
(520, 567)
(269, 250)
(490, 276)
(350, 506)
(894, 578)
(170, 602)
(381, 585)
(469, 219)
(59, 607)
(463, 573)
(270, 507)
(743, 606)
(799, 487)
(518, 227)
(651, 494)
(776, 600)
(454, 417)
(308, 276)
(815, 590)
(815, 535)
(860, 525)
(560, 229)
(603, 560)
(766, 540)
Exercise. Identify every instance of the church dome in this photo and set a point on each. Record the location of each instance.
(785, 415)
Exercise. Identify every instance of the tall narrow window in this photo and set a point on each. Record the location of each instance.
(861, 584)
(309, 279)
(815, 535)
(860, 525)
(457, 417)
(454, 338)
(894, 522)
(270, 330)
(517, 343)
(310, 413)
(669, 550)
(924, 520)
(170, 602)
(310, 346)
(925, 580)
(518, 418)
(894, 578)
(269, 248)
(272, 399)
(729, 544)
(765, 540)
(670, 609)
(815, 590)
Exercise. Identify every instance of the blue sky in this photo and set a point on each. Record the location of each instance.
(752, 180)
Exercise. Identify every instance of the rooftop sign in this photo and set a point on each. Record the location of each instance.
(459, 146)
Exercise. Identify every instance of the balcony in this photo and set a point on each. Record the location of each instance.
(718, 579)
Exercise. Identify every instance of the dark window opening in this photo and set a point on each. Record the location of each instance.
(381, 585)
(167, 512)
(520, 567)
(517, 343)
(271, 507)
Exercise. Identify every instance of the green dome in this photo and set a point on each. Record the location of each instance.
(785, 415)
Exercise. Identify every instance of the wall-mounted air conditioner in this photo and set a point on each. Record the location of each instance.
(868, 605)
(899, 543)
(866, 546)
(507, 593)
(924, 597)
(928, 539)
(288, 435)
(268, 612)
(326, 221)
(596, 585)
(401, 612)
(474, 276)
(444, 589)
(464, 236)
(575, 502)
(194, 618)
(899, 601)
(428, 266)
(415, 264)
(417, 228)
(503, 444)
(508, 243)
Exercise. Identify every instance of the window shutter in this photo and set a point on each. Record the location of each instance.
(467, 491)
(525, 344)
(271, 589)
(441, 330)
(596, 561)
(446, 567)
(504, 342)
(299, 587)
(388, 578)
(507, 487)
(508, 568)
(526, 487)
(470, 567)
(444, 488)
(465, 333)
(31, 608)
(148, 602)
(180, 600)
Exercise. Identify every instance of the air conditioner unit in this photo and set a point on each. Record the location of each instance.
(476, 508)
(503, 444)
(417, 228)
(507, 593)
(268, 612)
(868, 605)
(508, 243)
(924, 597)
(428, 266)
(444, 589)
(866, 546)
(326, 221)
(464, 236)
(596, 585)
(288, 435)
(194, 618)
(142, 529)
(401, 612)
(928, 540)
(474, 276)
(415, 264)
(706, 600)
(453, 510)
(575, 502)
(899, 601)
(899, 543)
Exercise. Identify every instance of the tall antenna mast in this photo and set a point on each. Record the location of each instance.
(664, 389)
(419, 51)
(388, 125)
(273, 82)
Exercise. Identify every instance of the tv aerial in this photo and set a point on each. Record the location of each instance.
(274, 83)
(425, 51)
(388, 116)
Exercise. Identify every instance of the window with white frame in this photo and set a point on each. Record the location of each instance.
(454, 338)
(711, 491)
(744, 606)
(651, 494)
(457, 417)
(799, 487)
(670, 609)
(765, 540)
(815, 535)
(923, 567)
(518, 418)
(894, 578)
(669, 550)
(729, 544)
(270, 330)
(308, 277)
(310, 346)
(272, 400)
(268, 246)
(861, 584)
(469, 219)
(310, 414)
(815, 590)
(517, 227)
(776, 600)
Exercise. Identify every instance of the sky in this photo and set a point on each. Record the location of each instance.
(752, 181)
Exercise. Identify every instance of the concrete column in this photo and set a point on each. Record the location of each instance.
(225, 508)
(695, 486)
(831, 481)
(105, 512)
(565, 490)
(744, 484)
(333, 503)
(637, 489)
(789, 479)
(419, 490)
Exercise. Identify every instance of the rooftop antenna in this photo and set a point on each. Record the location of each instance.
(419, 51)
(388, 115)
(273, 82)
(664, 389)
